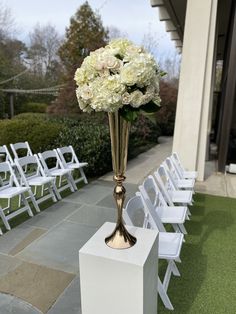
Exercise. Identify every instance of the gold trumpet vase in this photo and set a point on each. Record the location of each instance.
(119, 132)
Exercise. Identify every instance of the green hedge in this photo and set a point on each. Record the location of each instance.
(33, 107)
(89, 137)
(41, 135)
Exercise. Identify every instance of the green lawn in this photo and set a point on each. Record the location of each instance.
(208, 269)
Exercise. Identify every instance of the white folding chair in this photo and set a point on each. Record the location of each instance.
(5, 156)
(21, 146)
(174, 215)
(137, 213)
(184, 174)
(169, 189)
(9, 191)
(181, 183)
(57, 170)
(36, 177)
(73, 163)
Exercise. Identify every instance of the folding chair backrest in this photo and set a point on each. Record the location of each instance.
(66, 151)
(27, 161)
(4, 150)
(150, 190)
(5, 167)
(19, 146)
(53, 156)
(163, 184)
(176, 159)
(172, 168)
(137, 213)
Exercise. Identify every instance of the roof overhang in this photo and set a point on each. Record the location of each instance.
(172, 13)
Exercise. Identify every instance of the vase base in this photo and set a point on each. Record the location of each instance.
(120, 239)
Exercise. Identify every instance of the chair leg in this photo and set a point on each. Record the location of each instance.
(55, 190)
(27, 206)
(73, 182)
(83, 175)
(33, 199)
(4, 219)
(51, 192)
(70, 182)
(19, 201)
(175, 227)
(175, 270)
(182, 228)
(163, 295)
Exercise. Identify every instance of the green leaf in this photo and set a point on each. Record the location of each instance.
(151, 107)
(129, 114)
(150, 116)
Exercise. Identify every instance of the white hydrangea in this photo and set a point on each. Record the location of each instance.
(117, 75)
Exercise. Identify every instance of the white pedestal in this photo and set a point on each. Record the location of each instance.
(119, 281)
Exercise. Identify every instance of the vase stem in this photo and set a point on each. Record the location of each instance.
(119, 131)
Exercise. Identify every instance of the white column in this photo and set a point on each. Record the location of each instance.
(119, 281)
(195, 86)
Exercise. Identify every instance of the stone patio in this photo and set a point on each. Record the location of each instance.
(39, 266)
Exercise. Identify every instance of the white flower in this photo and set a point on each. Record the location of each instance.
(119, 74)
(85, 92)
(126, 99)
(137, 99)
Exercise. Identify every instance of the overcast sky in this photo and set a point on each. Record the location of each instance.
(135, 17)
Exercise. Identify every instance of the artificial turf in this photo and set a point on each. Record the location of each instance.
(208, 270)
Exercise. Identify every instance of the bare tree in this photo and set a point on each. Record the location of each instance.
(114, 32)
(171, 65)
(7, 22)
(44, 44)
(150, 41)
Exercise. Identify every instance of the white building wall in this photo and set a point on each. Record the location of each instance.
(195, 87)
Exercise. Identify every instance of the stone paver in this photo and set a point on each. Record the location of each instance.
(58, 249)
(54, 215)
(8, 264)
(37, 285)
(92, 215)
(12, 238)
(90, 194)
(12, 305)
(69, 301)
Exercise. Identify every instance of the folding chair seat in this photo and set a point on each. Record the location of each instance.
(10, 190)
(174, 215)
(57, 170)
(138, 213)
(181, 183)
(182, 172)
(36, 177)
(169, 189)
(73, 162)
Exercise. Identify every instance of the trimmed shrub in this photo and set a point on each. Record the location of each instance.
(41, 135)
(89, 135)
(91, 142)
(33, 107)
(31, 116)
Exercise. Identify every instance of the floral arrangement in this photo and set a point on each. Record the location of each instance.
(120, 76)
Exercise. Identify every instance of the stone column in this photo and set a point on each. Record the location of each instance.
(195, 86)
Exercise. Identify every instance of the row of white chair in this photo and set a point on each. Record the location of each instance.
(26, 174)
(163, 199)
